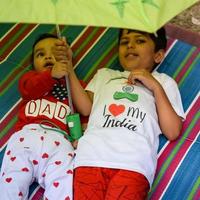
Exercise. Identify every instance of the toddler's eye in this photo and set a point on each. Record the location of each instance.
(39, 54)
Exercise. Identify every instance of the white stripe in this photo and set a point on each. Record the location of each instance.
(174, 173)
(12, 108)
(18, 43)
(93, 44)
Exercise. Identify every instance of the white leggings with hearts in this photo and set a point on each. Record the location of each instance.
(34, 154)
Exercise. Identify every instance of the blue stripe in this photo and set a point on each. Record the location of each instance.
(186, 176)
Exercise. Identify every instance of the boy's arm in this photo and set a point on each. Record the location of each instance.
(170, 123)
(81, 100)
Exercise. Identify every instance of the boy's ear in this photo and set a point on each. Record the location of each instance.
(159, 56)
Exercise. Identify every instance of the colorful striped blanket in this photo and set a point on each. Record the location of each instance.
(178, 170)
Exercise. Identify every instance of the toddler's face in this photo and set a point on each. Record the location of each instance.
(137, 51)
(43, 58)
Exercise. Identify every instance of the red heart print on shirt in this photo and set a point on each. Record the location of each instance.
(116, 109)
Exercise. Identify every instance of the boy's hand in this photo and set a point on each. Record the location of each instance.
(145, 77)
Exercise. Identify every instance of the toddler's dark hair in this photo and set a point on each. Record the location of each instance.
(39, 38)
(159, 38)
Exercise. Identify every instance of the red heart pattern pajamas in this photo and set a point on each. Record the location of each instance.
(36, 154)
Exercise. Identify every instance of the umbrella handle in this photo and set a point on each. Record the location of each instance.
(69, 94)
(66, 77)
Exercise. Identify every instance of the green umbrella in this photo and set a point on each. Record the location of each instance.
(145, 15)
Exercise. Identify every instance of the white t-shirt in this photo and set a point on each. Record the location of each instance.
(123, 126)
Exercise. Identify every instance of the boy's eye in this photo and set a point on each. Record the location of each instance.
(140, 41)
(123, 42)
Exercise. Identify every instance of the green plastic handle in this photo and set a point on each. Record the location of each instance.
(74, 124)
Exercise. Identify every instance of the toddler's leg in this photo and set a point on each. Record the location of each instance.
(56, 175)
(16, 171)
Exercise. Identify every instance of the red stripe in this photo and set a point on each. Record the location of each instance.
(10, 34)
(173, 165)
(165, 154)
(83, 37)
(88, 45)
(10, 116)
(39, 194)
(197, 195)
(19, 39)
(170, 41)
(187, 65)
(7, 136)
(177, 159)
(14, 74)
(104, 61)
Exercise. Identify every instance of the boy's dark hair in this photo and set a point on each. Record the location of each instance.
(159, 38)
(39, 38)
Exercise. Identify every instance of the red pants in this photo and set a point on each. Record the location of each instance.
(94, 183)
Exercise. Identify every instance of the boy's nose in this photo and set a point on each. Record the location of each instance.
(131, 45)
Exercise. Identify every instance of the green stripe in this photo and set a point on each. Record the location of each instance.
(12, 82)
(111, 60)
(9, 125)
(12, 39)
(184, 62)
(87, 40)
(21, 72)
(189, 70)
(98, 61)
(172, 154)
(194, 189)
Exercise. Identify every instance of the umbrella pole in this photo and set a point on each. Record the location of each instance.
(73, 119)
(66, 78)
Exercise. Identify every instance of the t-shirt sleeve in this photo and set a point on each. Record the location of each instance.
(93, 85)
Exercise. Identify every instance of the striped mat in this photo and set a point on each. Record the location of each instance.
(178, 170)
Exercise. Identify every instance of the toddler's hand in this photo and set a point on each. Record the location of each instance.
(63, 53)
(62, 50)
(59, 70)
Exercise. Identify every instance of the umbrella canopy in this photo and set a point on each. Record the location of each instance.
(145, 15)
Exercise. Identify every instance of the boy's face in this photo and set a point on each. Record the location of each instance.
(43, 58)
(137, 51)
